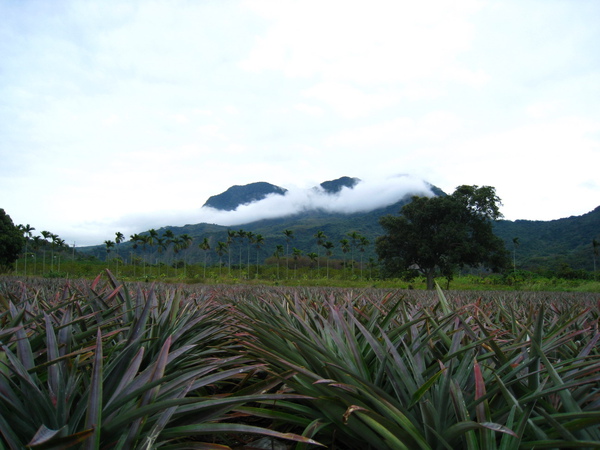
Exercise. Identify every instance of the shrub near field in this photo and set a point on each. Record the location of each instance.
(99, 364)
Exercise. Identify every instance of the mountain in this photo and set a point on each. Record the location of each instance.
(542, 244)
(552, 244)
(243, 195)
(335, 186)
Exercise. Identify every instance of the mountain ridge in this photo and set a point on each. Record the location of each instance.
(551, 244)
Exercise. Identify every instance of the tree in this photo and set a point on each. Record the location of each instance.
(515, 245)
(259, 241)
(362, 245)
(277, 254)
(595, 245)
(328, 246)
(345, 245)
(204, 246)
(296, 253)
(320, 236)
(186, 240)
(443, 233)
(11, 241)
(222, 247)
(46, 235)
(119, 237)
(289, 235)
(108, 244)
(26, 230)
(355, 239)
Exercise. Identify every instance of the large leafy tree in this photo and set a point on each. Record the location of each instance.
(441, 234)
(11, 241)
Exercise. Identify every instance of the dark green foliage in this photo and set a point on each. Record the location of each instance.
(240, 195)
(335, 186)
(548, 245)
(11, 241)
(443, 233)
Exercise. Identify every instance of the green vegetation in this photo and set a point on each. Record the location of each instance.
(11, 242)
(443, 234)
(97, 364)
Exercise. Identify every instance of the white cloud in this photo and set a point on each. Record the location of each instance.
(367, 195)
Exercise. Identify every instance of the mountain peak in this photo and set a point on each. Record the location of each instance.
(242, 195)
(335, 186)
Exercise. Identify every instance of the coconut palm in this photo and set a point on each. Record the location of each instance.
(222, 247)
(354, 241)
(320, 235)
(345, 245)
(362, 245)
(47, 236)
(26, 230)
(328, 246)
(205, 246)
(515, 245)
(277, 254)
(241, 234)
(595, 245)
(230, 238)
(250, 236)
(119, 237)
(289, 235)
(108, 244)
(259, 240)
(296, 253)
(36, 243)
(186, 242)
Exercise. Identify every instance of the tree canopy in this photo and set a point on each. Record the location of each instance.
(442, 234)
(11, 241)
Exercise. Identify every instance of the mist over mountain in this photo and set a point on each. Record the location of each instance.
(259, 201)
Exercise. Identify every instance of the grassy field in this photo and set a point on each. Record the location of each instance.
(103, 363)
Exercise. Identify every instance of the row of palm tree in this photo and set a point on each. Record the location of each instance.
(245, 242)
(43, 241)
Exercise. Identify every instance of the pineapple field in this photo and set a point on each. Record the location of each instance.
(102, 363)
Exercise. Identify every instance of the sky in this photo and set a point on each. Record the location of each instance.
(127, 115)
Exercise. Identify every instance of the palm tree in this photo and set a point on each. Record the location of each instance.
(595, 245)
(345, 249)
(26, 229)
(259, 240)
(46, 235)
(109, 244)
(296, 253)
(222, 247)
(119, 237)
(277, 254)
(289, 235)
(328, 246)
(168, 236)
(230, 237)
(186, 242)
(320, 235)
(61, 246)
(205, 246)
(53, 244)
(37, 243)
(136, 239)
(313, 256)
(354, 239)
(363, 242)
(177, 247)
(250, 236)
(515, 245)
(241, 234)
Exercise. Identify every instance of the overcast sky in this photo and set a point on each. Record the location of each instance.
(128, 115)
